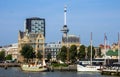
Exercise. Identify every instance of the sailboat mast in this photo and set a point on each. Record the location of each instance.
(105, 38)
(44, 64)
(118, 47)
(91, 48)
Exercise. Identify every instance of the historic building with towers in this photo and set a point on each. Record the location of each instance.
(67, 39)
(34, 35)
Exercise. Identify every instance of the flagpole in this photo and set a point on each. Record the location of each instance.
(91, 48)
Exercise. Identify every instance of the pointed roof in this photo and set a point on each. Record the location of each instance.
(21, 34)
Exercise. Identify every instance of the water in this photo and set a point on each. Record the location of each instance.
(16, 72)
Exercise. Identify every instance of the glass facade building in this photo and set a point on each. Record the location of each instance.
(35, 25)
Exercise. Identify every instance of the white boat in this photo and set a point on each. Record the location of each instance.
(90, 68)
(33, 68)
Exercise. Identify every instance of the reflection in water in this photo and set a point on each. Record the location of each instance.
(16, 72)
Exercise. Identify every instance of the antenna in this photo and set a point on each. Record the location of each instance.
(65, 12)
(65, 29)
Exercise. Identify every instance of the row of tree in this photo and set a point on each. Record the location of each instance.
(75, 54)
(29, 54)
(3, 57)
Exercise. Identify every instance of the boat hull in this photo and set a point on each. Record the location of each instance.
(33, 68)
(88, 68)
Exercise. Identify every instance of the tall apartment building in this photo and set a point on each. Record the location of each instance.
(35, 25)
(34, 35)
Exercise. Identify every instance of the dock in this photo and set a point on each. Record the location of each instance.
(69, 68)
(111, 71)
(9, 64)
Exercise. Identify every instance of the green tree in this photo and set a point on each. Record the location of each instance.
(2, 55)
(89, 52)
(81, 53)
(58, 55)
(39, 55)
(73, 53)
(62, 55)
(99, 52)
(9, 57)
(49, 56)
(27, 52)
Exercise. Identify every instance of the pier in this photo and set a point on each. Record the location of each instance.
(69, 68)
(115, 70)
(9, 64)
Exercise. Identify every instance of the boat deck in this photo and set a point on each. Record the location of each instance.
(111, 72)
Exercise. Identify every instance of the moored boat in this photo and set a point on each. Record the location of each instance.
(88, 68)
(33, 68)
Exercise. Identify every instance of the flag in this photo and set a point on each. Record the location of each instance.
(91, 35)
(105, 37)
(91, 38)
(118, 39)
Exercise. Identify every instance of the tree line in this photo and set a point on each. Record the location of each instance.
(29, 54)
(4, 57)
(74, 53)
(77, 54)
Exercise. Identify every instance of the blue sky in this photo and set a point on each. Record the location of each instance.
(83, 17)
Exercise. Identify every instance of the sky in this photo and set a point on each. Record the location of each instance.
(83, 17)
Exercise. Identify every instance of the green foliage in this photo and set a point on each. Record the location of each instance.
(58, 65)
(2, 55)
(9, 57)
(62, 55)
(27, 52)
(39, 55)
(99, 52)
(89, 51)
(73, 53)
(49, 56)
(81, 53)
(112, 53)
(58, 55)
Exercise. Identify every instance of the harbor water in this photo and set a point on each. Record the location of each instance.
(17, 72)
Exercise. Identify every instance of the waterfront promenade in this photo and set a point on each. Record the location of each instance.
(50, 68)
(9, 64)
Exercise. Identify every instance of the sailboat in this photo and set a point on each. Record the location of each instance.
(88, 68)
(118, 63)
(35, 67)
